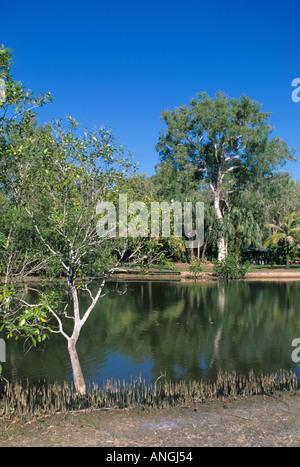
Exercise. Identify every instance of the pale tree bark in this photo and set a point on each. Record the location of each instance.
(221, 249)
(221, 242)
(79, 382)
(78, 377)
(71, 265)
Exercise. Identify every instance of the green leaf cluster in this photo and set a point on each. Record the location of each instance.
(230, 267)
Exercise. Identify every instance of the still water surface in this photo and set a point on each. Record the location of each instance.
(181, 330)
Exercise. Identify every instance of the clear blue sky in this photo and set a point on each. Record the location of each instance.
(119, 63)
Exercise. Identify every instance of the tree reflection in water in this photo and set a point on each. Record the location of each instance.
(184, 330)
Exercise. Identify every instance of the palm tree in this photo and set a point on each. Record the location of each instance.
(288, 231)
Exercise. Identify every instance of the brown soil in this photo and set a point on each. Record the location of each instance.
(254, 421)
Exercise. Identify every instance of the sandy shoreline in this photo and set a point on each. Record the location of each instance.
(253, 421)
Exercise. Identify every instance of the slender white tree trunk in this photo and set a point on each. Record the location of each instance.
(221, 243)
(78, 377)
(221, 249)
(79, 381)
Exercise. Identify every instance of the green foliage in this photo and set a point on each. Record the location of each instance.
(226, 143)
(20, 319)
(287, 232)
(195, 266)
(231, 267)
(221, 137)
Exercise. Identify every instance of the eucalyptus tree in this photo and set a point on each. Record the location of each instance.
(227, 142)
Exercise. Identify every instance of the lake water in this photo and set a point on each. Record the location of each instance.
(181, 330)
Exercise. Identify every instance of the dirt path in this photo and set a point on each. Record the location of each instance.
(255, 421)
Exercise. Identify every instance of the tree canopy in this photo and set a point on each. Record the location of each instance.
(226, 142)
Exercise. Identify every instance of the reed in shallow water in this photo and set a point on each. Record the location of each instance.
(25, 400)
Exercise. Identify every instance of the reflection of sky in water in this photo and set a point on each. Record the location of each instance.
(117, 367)
(190, 331)
(179, 371)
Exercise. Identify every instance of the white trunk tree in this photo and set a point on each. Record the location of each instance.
(225, 142)
(74, 173)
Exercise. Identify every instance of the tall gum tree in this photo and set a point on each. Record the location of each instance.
(225, 141)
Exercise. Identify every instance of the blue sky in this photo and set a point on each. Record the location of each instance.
(120, 63)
